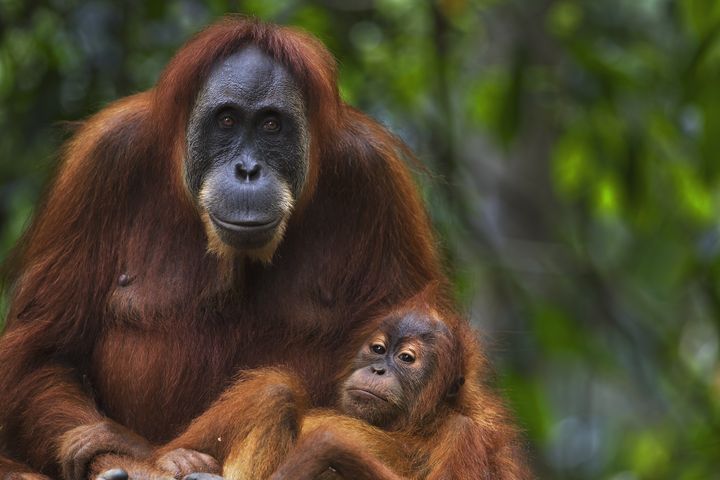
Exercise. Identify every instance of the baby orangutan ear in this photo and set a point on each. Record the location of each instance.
(455, 388)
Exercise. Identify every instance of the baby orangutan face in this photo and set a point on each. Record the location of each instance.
(391, 370)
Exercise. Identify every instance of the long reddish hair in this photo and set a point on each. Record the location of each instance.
(119, 188)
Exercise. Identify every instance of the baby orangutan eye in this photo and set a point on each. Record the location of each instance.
(378, 348)
(407, 357)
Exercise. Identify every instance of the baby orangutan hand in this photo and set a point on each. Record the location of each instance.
(181, 462)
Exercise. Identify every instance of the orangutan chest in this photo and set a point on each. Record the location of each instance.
(145, 370)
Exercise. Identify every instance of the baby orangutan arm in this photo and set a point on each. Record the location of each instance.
(249, 429)
(350, 447)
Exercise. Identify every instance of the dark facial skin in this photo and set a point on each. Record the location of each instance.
(247, 149)
(392, 369)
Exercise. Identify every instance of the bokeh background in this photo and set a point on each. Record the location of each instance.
(575, 184)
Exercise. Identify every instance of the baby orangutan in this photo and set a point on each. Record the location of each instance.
(397, 416)
(396, 400)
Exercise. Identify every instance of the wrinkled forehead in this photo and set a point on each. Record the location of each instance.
(415, 324)
(252, 76)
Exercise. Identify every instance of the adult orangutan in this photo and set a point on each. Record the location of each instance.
(238, 215)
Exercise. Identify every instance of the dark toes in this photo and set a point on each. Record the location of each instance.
(202, 476)
(114, 474)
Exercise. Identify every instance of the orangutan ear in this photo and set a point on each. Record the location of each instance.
(455, 387)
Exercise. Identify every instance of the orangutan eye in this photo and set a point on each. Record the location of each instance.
(226, 120)
(378, 348)
(271, 125)
(407, 357)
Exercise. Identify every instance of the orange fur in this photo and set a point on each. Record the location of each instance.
(268, 431)
(147, 354)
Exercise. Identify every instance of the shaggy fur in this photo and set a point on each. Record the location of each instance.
(123, 327)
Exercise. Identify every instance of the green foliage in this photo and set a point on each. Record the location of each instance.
(575, 186)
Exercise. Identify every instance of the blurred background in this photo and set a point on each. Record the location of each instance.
(575, 184)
